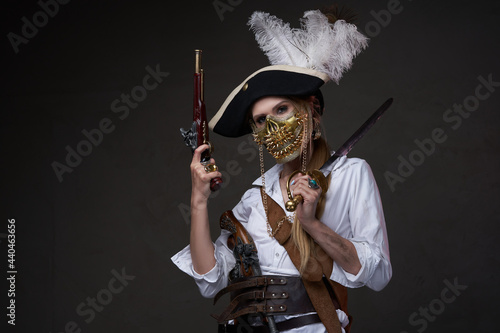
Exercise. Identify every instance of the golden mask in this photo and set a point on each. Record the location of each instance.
(282, 136)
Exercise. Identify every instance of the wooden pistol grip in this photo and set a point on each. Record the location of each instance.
(239, 235)
(215, 184)
(229, 222)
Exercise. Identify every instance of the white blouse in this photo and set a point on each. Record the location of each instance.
(353, 210)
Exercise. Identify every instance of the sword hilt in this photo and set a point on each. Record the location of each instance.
(294, 201)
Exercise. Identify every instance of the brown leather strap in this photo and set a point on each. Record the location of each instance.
(317, 266)
(256, 295)
(254, 281)
(290, 297)
(259, 308)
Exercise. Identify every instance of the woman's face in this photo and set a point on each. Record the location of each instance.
(272, 105)
(279, 125)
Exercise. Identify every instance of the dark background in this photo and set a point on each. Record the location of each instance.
(124, 205)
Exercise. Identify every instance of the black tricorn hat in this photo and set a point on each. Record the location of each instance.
(280, 80)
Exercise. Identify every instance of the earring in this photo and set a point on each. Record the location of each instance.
(316, 133)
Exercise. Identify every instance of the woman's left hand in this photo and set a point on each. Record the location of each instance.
(306, 211)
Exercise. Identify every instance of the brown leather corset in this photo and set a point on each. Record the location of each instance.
(265, 294)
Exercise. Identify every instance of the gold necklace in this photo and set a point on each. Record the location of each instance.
(264, 194)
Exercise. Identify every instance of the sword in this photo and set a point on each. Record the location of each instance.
(323, 172)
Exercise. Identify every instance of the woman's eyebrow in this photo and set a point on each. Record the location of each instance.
(279, 104)
(257, 116)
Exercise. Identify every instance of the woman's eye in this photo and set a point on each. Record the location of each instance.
(261, 120)
(282, 109)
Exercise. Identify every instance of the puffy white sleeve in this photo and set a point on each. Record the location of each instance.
(369, 234)
(217, 278)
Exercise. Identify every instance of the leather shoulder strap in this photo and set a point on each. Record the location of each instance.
(317, 266)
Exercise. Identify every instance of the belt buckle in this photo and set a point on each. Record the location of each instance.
(259, 295)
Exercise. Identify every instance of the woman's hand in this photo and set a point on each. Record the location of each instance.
(200, 179)
(202, 248)
(338, 248)
(306, 211)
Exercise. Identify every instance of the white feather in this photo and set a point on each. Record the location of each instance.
(275, 39)
(318, 44)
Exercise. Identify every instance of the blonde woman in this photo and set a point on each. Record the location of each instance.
(334, 240)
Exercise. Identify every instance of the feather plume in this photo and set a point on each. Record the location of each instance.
(275, 39)
(318, 44)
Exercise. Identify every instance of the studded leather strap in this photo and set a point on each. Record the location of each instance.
(265, 294)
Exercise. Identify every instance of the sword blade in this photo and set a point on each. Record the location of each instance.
(361, 131)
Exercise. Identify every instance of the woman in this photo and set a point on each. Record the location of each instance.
(336, 238)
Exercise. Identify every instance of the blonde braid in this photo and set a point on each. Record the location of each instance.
(320, 153)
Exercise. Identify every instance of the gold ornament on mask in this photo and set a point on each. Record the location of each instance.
(282, 136)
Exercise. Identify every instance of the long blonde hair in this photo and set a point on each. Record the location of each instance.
(320, 153)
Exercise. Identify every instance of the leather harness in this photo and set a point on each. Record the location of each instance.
(283, 295)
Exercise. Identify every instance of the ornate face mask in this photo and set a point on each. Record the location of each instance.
(282, 136)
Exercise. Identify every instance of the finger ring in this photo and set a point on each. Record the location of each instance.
(313, 184)
(211, 167)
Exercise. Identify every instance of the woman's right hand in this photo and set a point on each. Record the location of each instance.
(202, 248)
(200, 179)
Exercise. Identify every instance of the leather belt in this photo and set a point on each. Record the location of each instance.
(281, 326)
(256, 281)
(265, 294)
